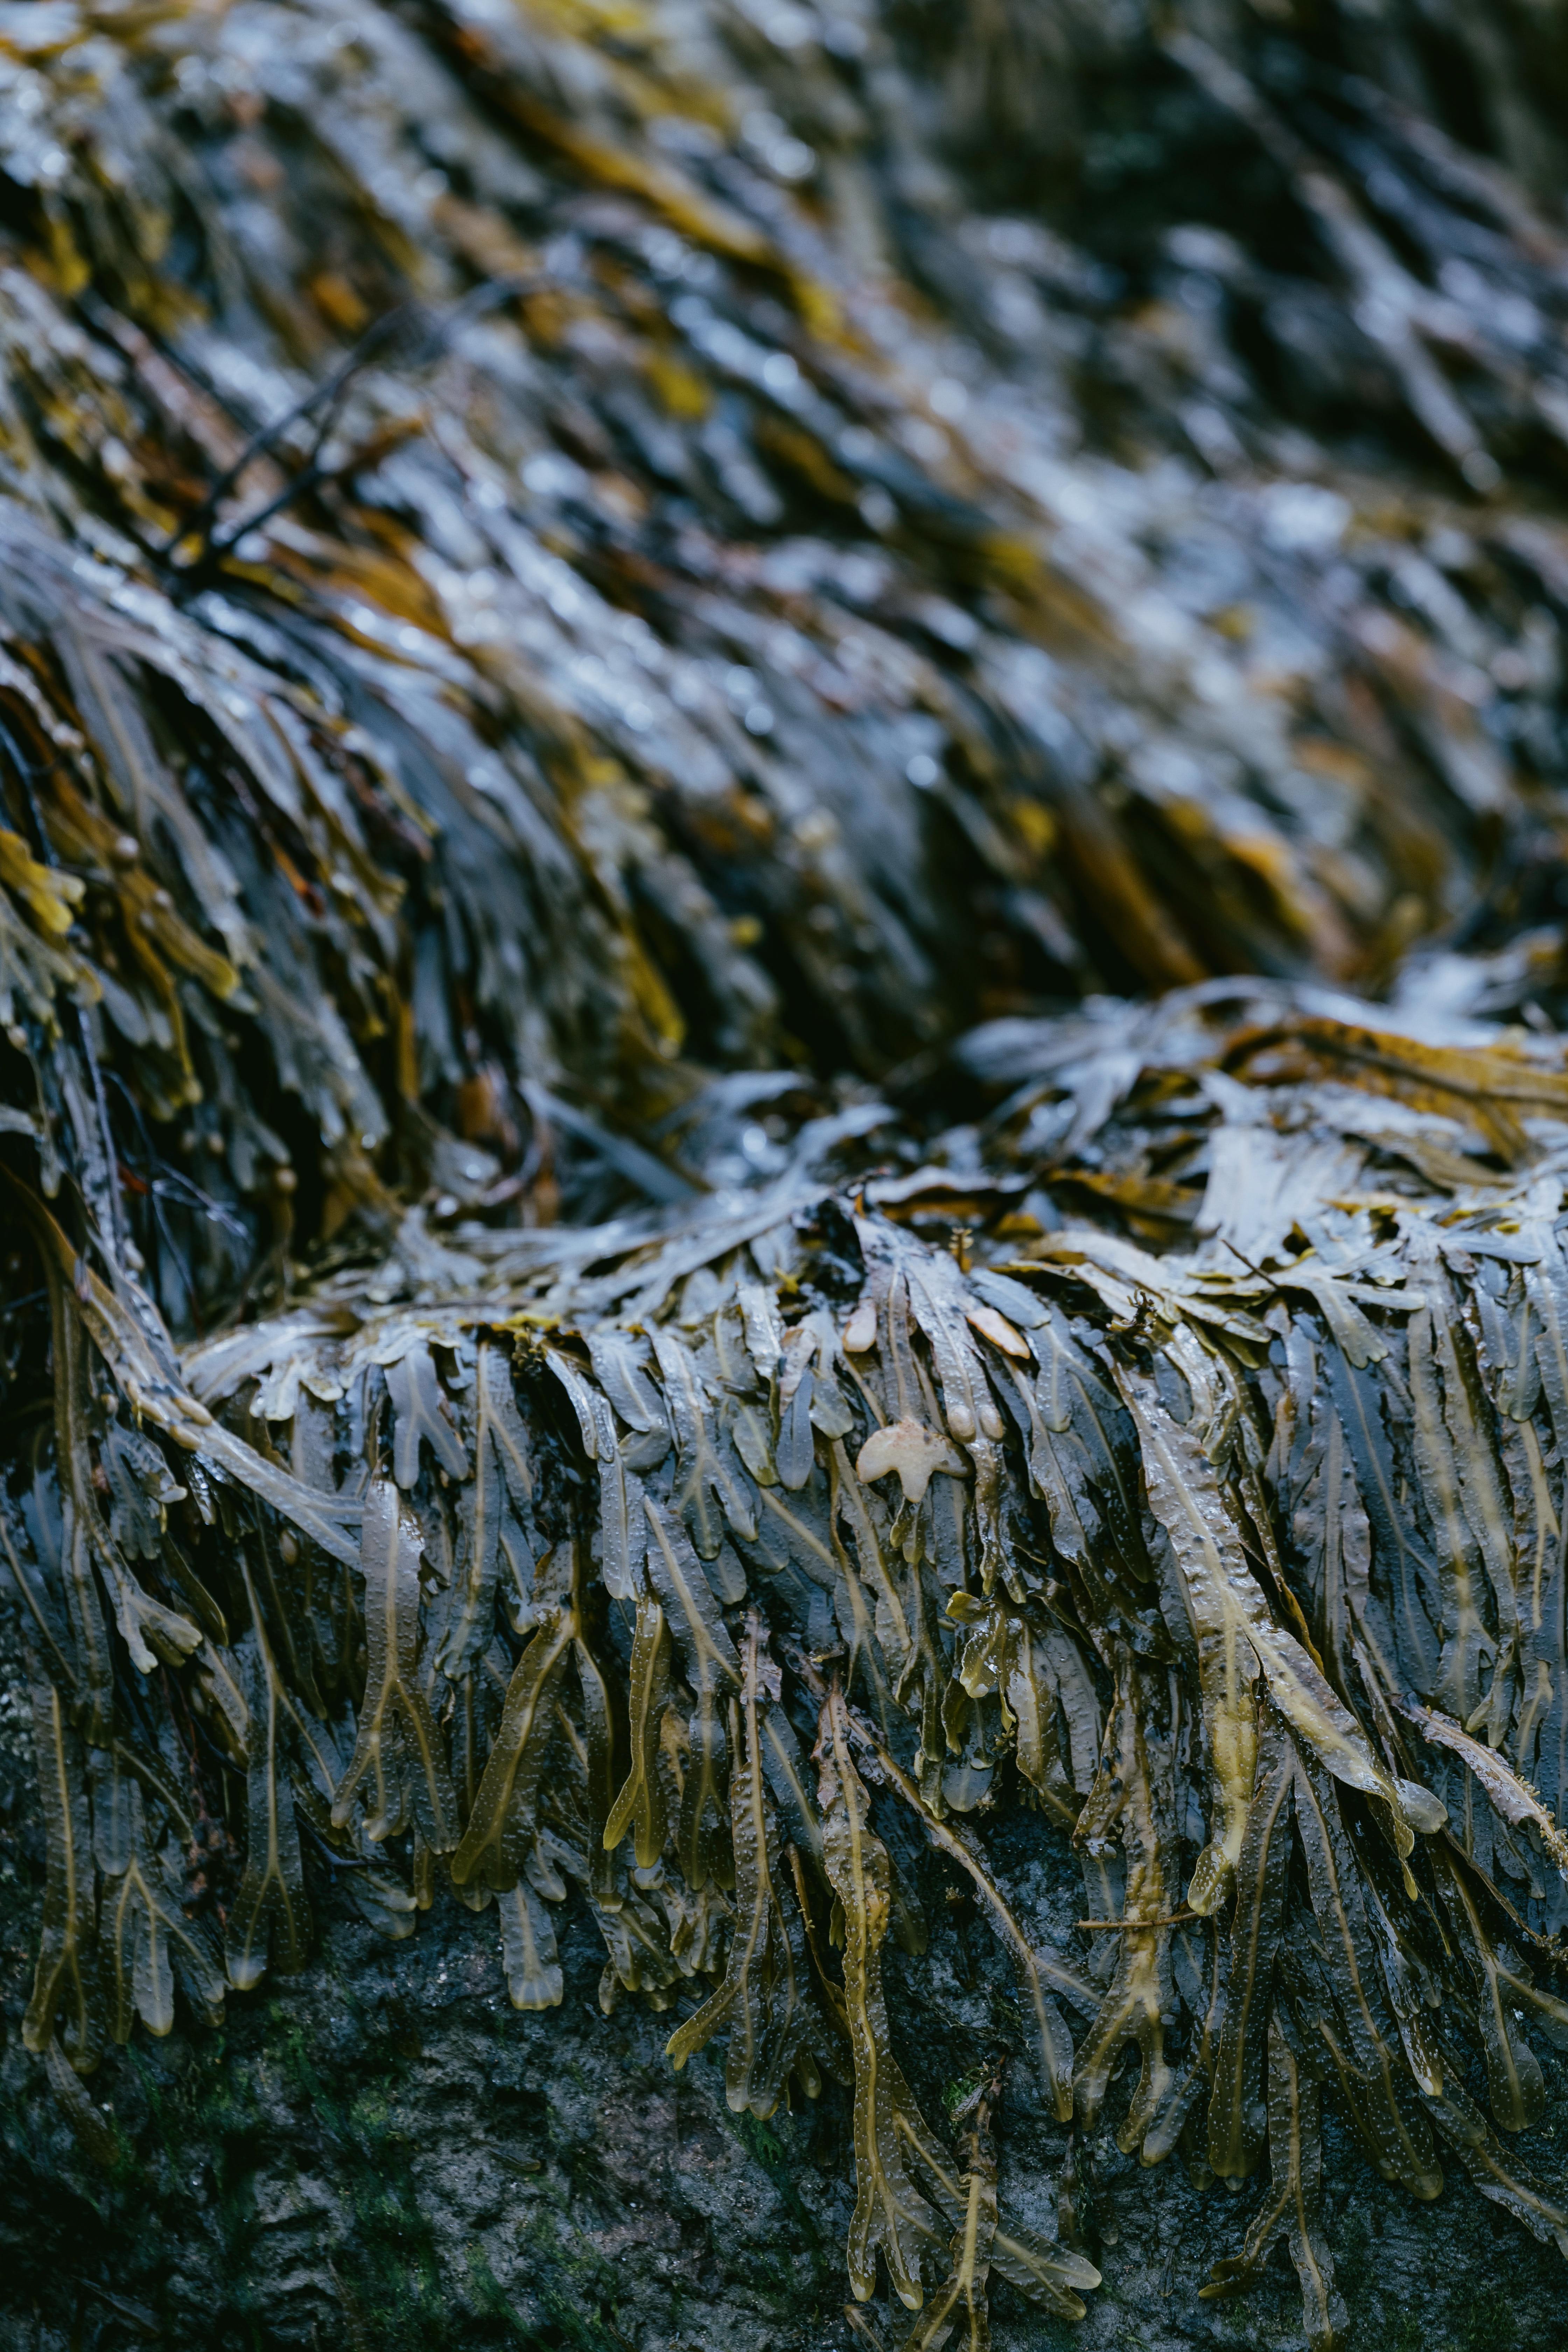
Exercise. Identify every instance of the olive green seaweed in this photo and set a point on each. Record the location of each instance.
(625, 635)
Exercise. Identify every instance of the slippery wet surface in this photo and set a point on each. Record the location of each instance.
(631, 1382)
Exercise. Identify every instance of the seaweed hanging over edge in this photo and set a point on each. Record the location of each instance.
(551, 1564)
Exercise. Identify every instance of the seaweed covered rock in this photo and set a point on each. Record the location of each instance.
(572, 548)
(612, 626)
(616, 1567)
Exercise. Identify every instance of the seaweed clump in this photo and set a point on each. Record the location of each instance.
(625, 1566)
(521, 707)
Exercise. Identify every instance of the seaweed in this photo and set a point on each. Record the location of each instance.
(578, 786)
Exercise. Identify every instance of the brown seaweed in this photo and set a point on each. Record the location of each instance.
(514, 724)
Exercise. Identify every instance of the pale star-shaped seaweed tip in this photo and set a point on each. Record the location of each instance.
(915, 1450)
